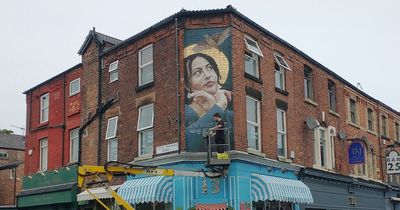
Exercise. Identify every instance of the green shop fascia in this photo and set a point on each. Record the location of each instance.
(49, 190)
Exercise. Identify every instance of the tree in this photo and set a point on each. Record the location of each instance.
(6, 131)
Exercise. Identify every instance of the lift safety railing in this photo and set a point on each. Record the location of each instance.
(213, 157)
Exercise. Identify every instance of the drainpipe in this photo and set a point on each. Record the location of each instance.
(63, 127)
(380, 141)
(178, 108)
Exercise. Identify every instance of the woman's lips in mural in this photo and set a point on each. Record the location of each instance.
(209, 84)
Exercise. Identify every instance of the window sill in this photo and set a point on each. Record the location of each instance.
(372, 132)
(309, 101)
(73, 94)
(113, 81)
(354, 125)
(334, 113)
(284, 159)
(283, 92)
(254, 78)
(255, 152)
(324, 169)
(385, 138)
(144, 157)
(145, 86)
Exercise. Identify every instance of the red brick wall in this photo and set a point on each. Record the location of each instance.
(53, 129)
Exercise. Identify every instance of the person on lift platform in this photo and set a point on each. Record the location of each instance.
(219, 135)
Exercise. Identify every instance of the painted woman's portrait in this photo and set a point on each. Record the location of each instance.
(208, 85)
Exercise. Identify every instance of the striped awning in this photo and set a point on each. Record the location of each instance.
(148, 189)
(99, 192)
(264, 187)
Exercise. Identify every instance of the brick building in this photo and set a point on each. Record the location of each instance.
(290, 121)
(53, 121)
(11, 168)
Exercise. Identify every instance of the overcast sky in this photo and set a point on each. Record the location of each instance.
(359, 39)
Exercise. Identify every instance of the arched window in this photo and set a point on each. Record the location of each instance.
(368, 169)
(324, 147)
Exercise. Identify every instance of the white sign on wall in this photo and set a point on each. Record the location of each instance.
(167, 148)
(393, 163)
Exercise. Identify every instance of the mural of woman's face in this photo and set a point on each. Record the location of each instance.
(203, 76)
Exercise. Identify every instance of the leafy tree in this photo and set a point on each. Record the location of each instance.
(6, 131)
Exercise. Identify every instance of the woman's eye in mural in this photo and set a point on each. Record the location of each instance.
(197, 72)
(209, 68)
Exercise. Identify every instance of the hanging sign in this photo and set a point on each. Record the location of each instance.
(356, 153)
(393, 163)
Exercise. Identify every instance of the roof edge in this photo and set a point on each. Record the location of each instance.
(54, 77)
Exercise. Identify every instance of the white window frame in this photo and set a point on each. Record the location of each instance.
(254, 57)
(143, 65)
(78, 80)
(396, 131)
(44, 108)
(72, 142)
(5, 154)
(43, 158)
(255, 49)
(140, 130)
(278, 58)
(109, 149)
(329, 153)
(284, 132)
(280, 71)
(257, 124)
(113, 68)
(115, 129)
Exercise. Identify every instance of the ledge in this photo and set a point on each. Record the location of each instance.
(354, 125)
(145, 86)
(255, 152)
(144, 157)
(334, 113)
(283, 92)
(251, 77)
(309, 101)
(284, 159)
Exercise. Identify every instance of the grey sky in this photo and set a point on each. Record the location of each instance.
(359, 39)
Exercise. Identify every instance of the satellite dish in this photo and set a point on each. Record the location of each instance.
(311, 122)
(342, 135)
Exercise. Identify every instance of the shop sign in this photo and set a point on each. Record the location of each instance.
(393, 163)
(356, 153)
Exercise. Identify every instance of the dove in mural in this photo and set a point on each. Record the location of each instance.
(214, 40)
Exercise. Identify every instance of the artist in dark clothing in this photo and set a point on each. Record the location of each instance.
(219, 132)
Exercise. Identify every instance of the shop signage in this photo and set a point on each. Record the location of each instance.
(167, 148)
(393, 163)
(356, 153)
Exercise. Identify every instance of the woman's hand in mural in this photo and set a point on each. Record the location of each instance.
(205, 100)
(222, 98)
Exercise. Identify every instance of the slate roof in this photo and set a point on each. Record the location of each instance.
(12, 141)
(100, 37)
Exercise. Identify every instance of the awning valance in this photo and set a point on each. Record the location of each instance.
(99, 192)
(148, 189)
(264, 187)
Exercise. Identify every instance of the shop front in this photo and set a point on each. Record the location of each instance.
(250, 182)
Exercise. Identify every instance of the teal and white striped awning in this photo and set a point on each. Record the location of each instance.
(148, 189)
(264, 187)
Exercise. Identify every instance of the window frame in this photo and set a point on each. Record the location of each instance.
(5, 154)
(115, 129)
(250, 47)
(308, 84)
(278, 58)
(12, 173)
(256, 59)
(384, 127)
(145, 129)
(71, 143)
(284, 132)
(79, 87)
(281, 72)
(355, 111)
(396, 131)
(109, 151)
(372, 120)
(257, 124)
(329, 148)
(332, 92)
(141, 66)
(44, 108)
(41, 154)
(113, 69)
